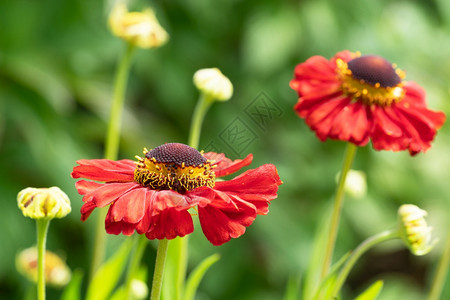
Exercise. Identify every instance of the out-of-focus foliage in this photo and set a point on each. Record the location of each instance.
(57, 61)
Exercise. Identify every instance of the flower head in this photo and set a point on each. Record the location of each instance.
(141, 29)
(414, 229)
(43, 203)
(213, 84)
(57, 273)
(360, 98)
(153, 196)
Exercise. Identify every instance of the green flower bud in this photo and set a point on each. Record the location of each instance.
(414, 229)
(43, 203)
(213, 84)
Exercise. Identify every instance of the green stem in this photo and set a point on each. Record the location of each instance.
(178, 249)
(42, 228)
(112, 148)
(135, 261)
(201, 108)
(360, 250)
(159, 269)
(338, 203)
(441, 273)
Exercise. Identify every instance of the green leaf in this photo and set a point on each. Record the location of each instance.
(312, 276)
(107, 276)
(327, 284)
(197, 274)
(72, 290)
(372, 292)
(292, 287)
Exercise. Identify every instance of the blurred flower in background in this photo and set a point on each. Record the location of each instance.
(141, 29)
(358, 98)
(57, 273)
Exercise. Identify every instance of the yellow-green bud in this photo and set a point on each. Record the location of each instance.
(414, 229)
(141, 29)
(139, 289)
(355, 183)
(57, 273)
(43, 203)
(213, 84)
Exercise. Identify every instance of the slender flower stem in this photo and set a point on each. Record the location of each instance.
(178, 249)
(360, 250)
(42, 228)
(159, 269)
(441, 273)
(135, 261)
(338, 203)
(112, 148)
(201, 108)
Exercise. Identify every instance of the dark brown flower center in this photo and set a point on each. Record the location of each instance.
(371, 80)
(374, 69)
(176, 153)
(174, 166)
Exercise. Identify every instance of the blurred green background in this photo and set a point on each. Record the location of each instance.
(57, 61)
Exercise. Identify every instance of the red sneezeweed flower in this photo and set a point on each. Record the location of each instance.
(358, 98)
(153, 195)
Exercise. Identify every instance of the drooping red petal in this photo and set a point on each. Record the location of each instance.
(257, 186)
(385, 120)
(105, 170)
(225, 218)
(109, 192)
(226, 166)
(87, 208)
(84, 187)
(169, 224)
(130, 207)
(118, 227)
(321, 117)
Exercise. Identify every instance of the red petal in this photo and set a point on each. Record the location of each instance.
(386, 123)
(105, 170)
(84, 187)
(110, 192)
(321, 117)
(169, 224)
(130, 207)
(226, 166)
(258, 187)
(118, 227)
(380, 139)
(222, 220)
(87, 208)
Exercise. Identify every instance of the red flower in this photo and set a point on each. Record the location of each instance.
(153, 196)
(360, 98)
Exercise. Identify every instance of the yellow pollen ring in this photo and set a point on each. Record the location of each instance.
(164, 176)
(368, 93)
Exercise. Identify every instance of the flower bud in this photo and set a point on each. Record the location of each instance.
(414, 230)
(43, 203)
(141, 29)
(213, 84)
(139, 289)
(57, 273)
(355, 183)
